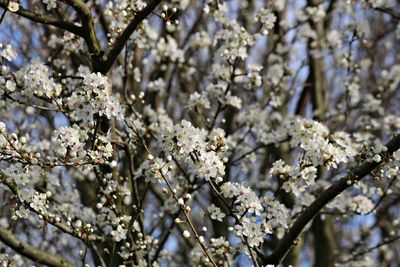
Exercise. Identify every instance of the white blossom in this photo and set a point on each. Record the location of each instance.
(69, 142)
(267, 20)
(95, 97)
(8, 52)
(362, 204)
(215, 213)
(36, 79)
(119, 234)
(13, 6)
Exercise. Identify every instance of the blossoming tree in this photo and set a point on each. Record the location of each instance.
(199, 133)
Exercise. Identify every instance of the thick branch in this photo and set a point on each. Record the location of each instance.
(79, 7)
(35, 254)
(393, 13)
(89, 33)
(323, 199)
(46, 19)
(120, 43)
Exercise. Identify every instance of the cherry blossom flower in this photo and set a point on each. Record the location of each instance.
(215, 213)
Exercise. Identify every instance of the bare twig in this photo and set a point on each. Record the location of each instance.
(189, 221)
(368, 250)
(46, 19)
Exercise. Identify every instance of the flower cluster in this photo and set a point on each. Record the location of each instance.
(168, 49)
(12, 260)
(215, 213)
(362, 204)
(121, 231)
(120, 13)
(245, 199)
(152, 169)
(247, 202)
(51, 4)
(296, 179)
(320, 147)
(250, 229)
(69, 143)
(236, 42)
(35, 79)
(267, 20)
(103, 148)
(7, 52)
(94, 97)
(214, 92)
(38, 202)
(277, 213)
(188, 143)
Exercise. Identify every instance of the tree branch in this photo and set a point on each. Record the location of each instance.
(35, 254)
(46, 19)
(323, 199)
(370, 249)
(89, 33)
(393, 13)
(50, 219)
(120, 43)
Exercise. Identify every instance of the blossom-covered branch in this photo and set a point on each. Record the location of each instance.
(323, 199)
